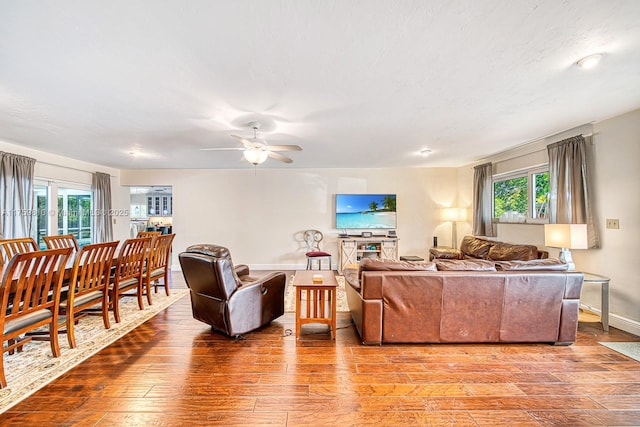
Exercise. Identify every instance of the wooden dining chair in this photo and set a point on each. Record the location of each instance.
(30, 297)
(64, 241)
(89, 286)
(152, 234)
(129, 273)
(158, 264)
(11, 247)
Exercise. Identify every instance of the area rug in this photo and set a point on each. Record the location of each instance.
(35, 367)
(290, 296)
(629, 349)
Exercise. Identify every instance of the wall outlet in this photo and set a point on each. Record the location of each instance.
(613, 223)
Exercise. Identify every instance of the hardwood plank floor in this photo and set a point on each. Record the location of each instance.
(174, 371)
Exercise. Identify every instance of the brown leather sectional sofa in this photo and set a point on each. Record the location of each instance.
(464, 301)
(473, 247)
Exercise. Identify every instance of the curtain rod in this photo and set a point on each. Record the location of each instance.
(584, 135)
(68, 167)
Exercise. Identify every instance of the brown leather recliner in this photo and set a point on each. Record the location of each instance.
(227, 298)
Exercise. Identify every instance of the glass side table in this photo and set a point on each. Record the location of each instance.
(604, 282)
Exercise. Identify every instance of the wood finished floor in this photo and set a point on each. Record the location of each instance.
(174, 371)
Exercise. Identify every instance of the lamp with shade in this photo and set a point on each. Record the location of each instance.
(453, 215)
(566, 237)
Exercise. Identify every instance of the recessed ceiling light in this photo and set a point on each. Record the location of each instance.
(425, 152)
(589, 61)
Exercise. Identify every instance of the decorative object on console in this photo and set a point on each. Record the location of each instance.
(566, 237)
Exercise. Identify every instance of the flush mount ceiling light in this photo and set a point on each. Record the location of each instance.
(590, 61)
(425, 152)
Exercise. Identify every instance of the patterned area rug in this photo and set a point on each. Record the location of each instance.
(35, 367)
(290, 296)
(629, 349)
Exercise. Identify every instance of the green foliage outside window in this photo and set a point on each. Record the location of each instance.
(512, 195)
(541, 182)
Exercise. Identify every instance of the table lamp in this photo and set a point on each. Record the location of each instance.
(566, 237)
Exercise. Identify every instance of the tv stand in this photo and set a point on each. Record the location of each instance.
(354, 248)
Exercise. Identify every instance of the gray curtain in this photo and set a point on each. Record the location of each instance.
(103, 228)
(569, 201)
(483, 200)
(16, 195)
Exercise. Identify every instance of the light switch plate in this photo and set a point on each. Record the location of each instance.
(613, 223)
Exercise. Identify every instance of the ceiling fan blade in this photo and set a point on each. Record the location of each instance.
(284, 148)
(247, 144)
(280, 157)
(224, 149)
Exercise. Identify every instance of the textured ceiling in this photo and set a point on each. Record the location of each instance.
(355, 83)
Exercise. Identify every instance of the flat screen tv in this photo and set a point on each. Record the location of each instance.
(365, 211)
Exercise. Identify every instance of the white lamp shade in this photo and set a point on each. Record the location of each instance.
(570, 236)
(256, 156)
(453, 214)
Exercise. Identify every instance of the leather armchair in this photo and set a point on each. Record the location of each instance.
(227, 297)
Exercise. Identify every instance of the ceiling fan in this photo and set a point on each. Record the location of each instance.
(256, 150)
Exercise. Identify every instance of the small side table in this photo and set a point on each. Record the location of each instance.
(604, 282)
(320, 302)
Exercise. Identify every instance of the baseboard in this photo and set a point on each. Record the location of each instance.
(271, 267)
(619, 322)
(268, 267)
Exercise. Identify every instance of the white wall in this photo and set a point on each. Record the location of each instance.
(616, 176)
(259, 215)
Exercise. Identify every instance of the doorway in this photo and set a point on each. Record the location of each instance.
(151, 209)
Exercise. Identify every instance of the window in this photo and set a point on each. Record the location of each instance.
(62, 210)
(41, 223)
(74, 214)
(525, 192)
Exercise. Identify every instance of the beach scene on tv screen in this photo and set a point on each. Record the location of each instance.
(365, 211)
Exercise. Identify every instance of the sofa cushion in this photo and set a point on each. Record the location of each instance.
(552, 264)
(375, 264)
(475, 247)
(351, 278)
(465, 265)
(509, 252)
(444, 253)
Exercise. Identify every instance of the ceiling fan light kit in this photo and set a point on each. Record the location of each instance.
(255, 156)
(256, 150)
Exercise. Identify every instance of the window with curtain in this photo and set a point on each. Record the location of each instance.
(16, 194)
(569, 185)
(103, 213)
(482, 200)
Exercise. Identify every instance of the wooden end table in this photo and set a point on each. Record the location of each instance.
(320, 304)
